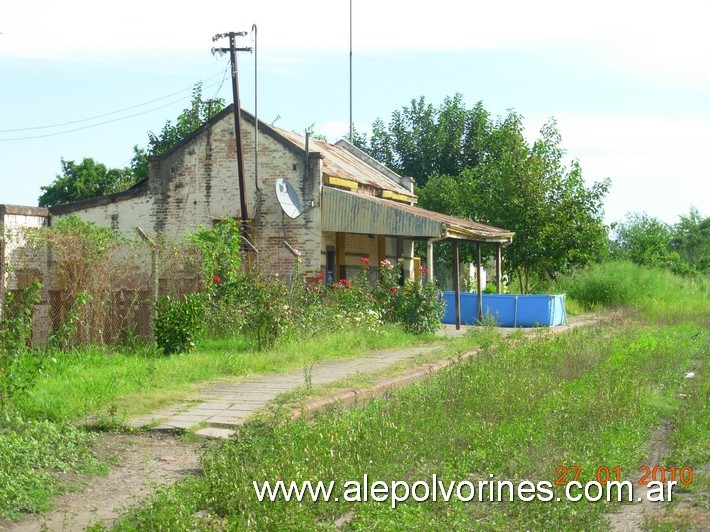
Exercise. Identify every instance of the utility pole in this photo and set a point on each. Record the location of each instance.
(232, 50)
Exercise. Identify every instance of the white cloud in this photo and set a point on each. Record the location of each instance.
(333, 130)
(659, 40)
(657, 164)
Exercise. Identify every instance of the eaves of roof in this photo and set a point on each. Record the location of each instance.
(350, 212)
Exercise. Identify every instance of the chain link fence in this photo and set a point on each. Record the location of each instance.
(101, 294)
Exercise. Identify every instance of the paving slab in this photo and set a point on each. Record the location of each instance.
(214, 432)
(221, 407)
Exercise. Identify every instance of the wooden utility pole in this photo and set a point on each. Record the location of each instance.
(232, 50)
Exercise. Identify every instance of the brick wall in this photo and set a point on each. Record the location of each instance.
(21, 264)
(197, 184)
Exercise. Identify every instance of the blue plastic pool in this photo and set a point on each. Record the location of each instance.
(509, 310)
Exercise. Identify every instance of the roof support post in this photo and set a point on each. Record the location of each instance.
(430, 261)
(400, 255)
(457, 287)
(479, 314)
(430, 257)
(498, 268)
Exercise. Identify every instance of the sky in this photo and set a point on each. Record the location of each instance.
(628, 82)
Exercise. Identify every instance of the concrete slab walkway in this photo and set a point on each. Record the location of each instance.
(219, 407)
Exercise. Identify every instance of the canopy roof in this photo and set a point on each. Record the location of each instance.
(350, 212)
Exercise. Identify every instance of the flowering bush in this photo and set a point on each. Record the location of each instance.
(268, 309)
(416, 306)
(420, 307)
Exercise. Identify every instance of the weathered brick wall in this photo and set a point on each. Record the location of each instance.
(197, 184)
(272, 226)
(21, 264)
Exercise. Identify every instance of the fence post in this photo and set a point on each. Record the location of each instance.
(154, 276)
(2, 268)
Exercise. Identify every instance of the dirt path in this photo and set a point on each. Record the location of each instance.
(143, 462)
(632, 515)
(687, 511)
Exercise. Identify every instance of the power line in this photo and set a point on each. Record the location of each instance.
(107, 114)
(94, 125)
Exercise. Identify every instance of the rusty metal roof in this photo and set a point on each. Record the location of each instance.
(339, 162)
(350, 212)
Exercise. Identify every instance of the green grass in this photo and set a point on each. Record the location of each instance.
(588, 398)
(654, 294)
(87, 383)
(39, 438)
(30, 454)
(690, 446)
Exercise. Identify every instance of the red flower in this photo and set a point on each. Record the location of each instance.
(345, 283)
(365, 261)
(393, 289)
(320, 277)
(425, 271)
(216, 279)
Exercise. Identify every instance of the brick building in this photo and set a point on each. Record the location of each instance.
(351, 206)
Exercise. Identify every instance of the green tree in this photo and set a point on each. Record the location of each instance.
(691, 240)
(90, 179)
(644, 240)
(422, 140)
(557, 219)
(192, 117)
(87, 179)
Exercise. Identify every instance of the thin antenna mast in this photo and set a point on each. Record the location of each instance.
(351, 71)
(256, 114)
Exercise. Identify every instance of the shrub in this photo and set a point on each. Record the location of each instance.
(420, 307)
(19, 366)
(652, 291)
(221, 253)
(179, 323)
(253, 304)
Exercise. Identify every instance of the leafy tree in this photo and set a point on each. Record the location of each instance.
(691, 240)
(90, 179)
(645, 240)
(421, 140)
(87, 179)
(467, 165)
(557, 219)
(191, 118)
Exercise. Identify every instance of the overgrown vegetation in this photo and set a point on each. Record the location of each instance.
(683, 248)
(589, 398)
(19, 366)
(267, 310)
(31, 453)
(178, 323)
(654, 294)
(102, 386)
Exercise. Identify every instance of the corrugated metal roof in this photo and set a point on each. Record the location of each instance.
(339, 162)
(349, 212)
